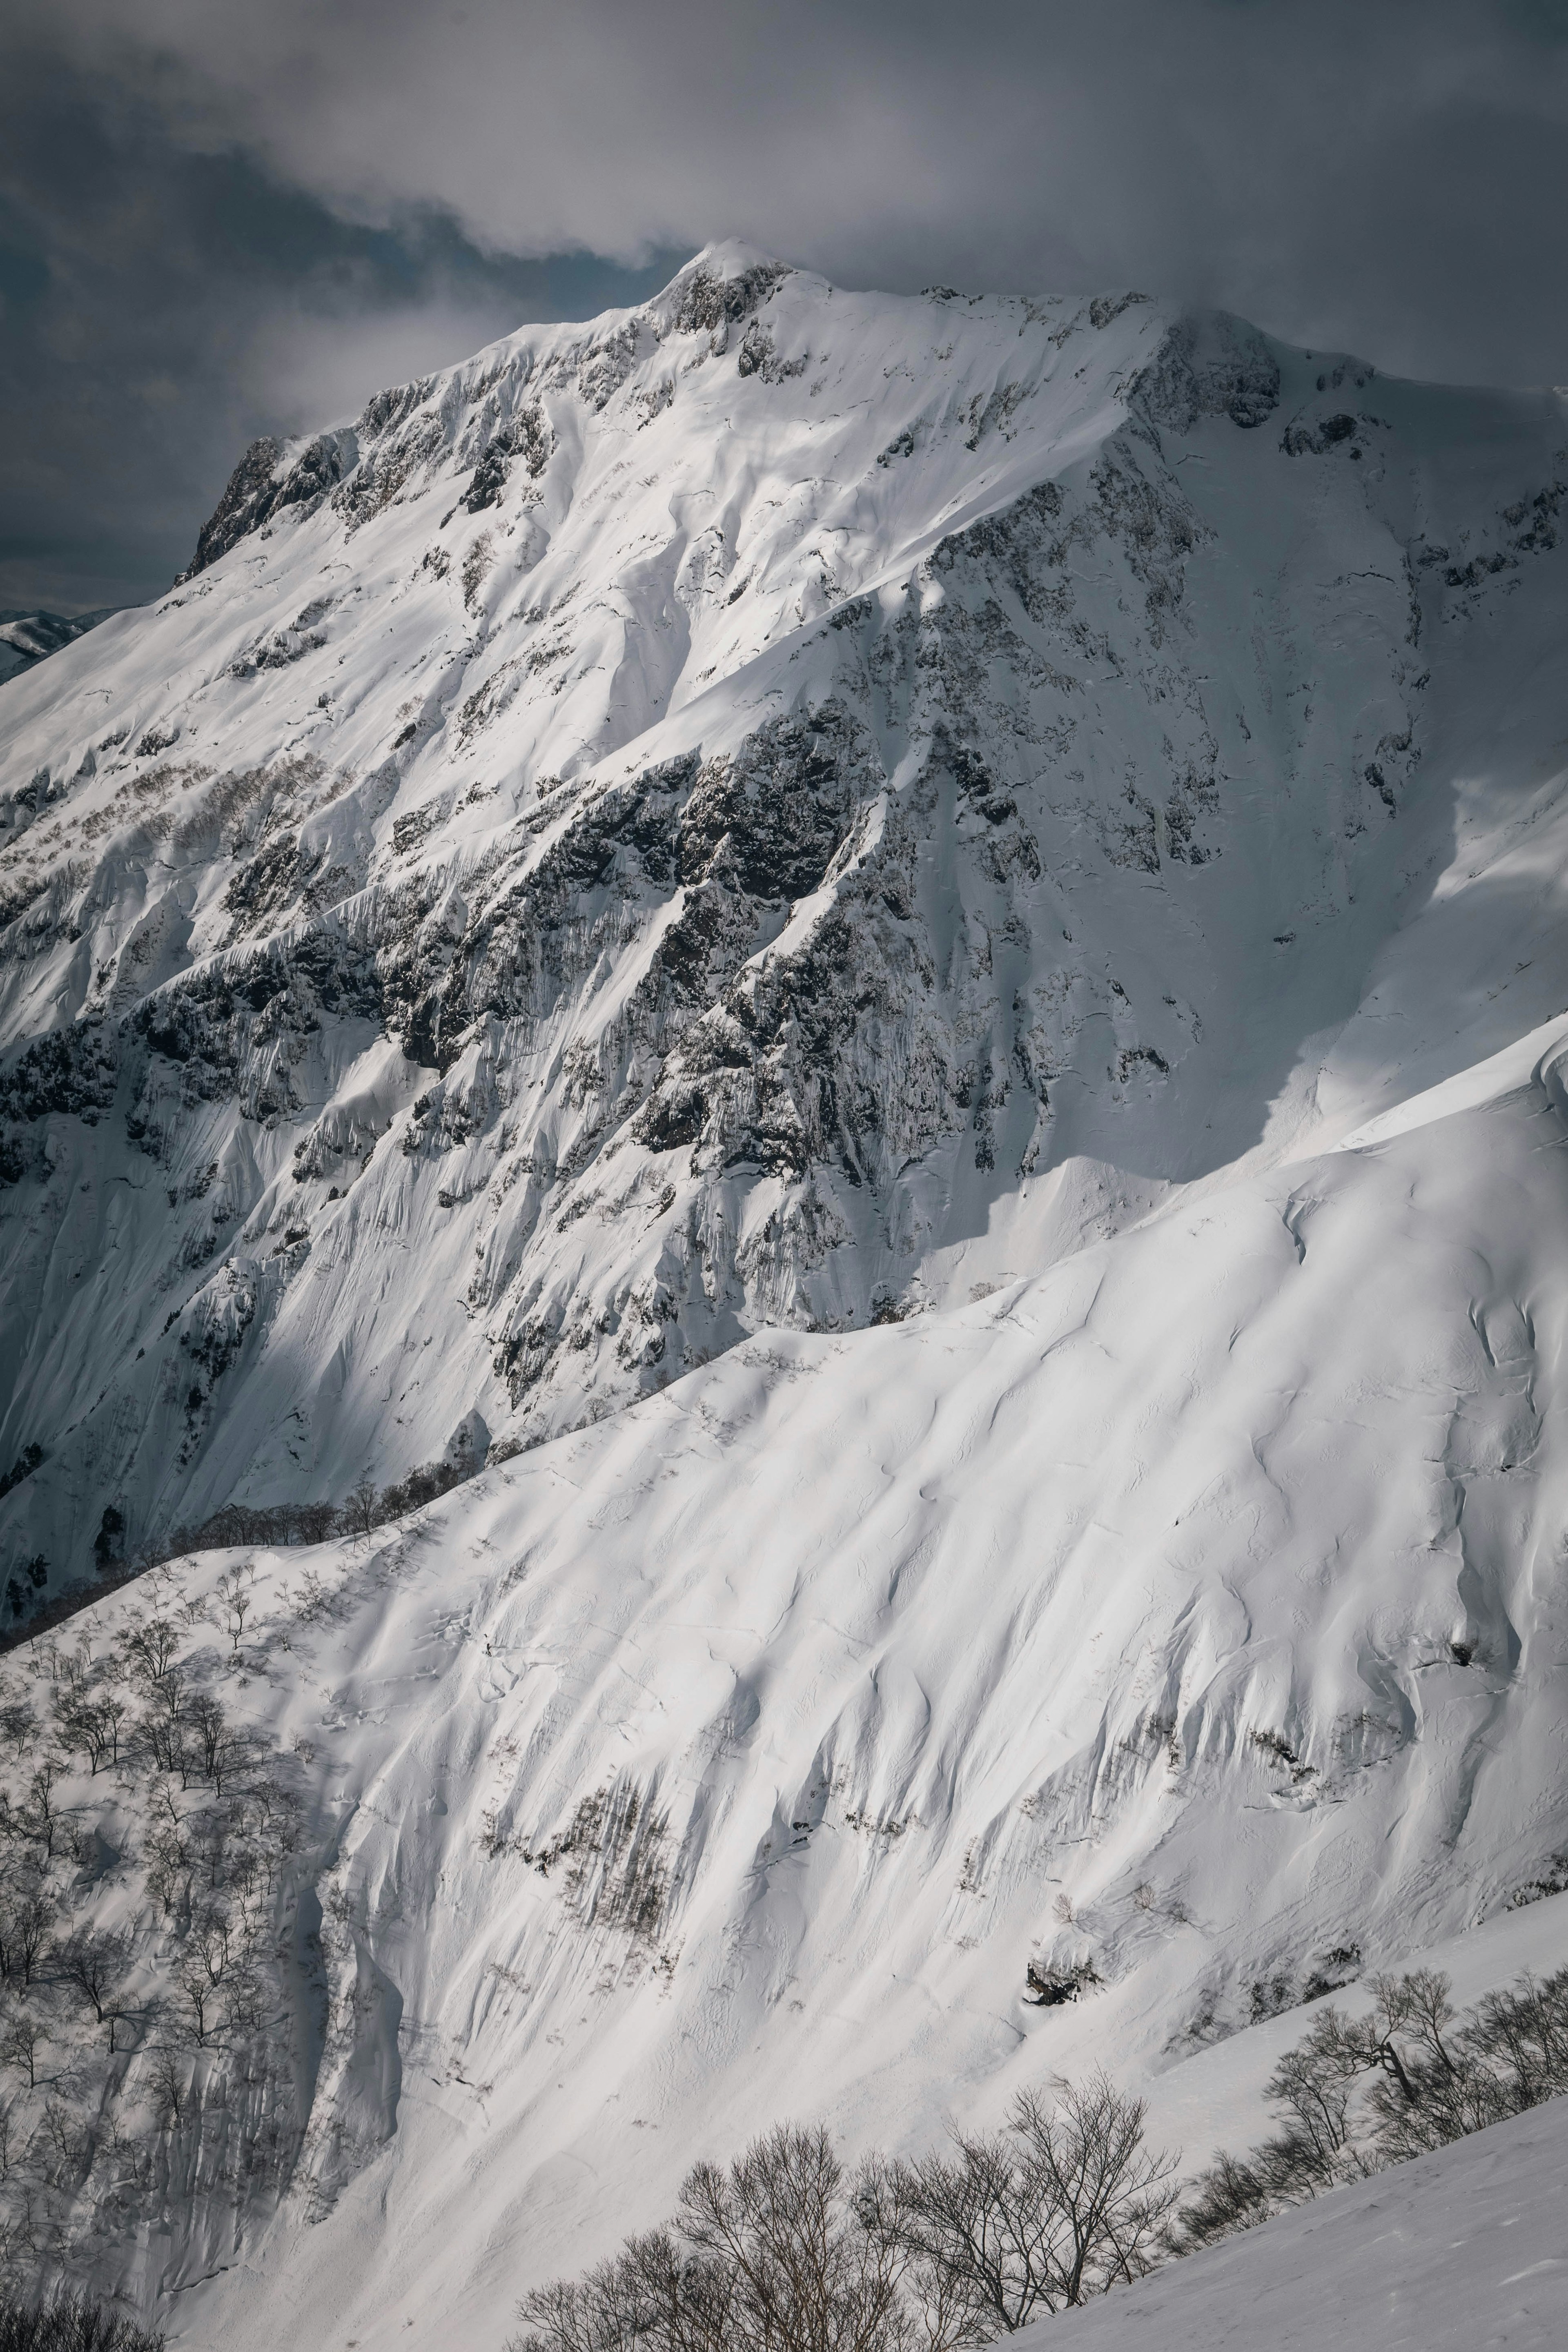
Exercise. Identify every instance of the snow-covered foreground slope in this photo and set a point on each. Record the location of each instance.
(1460, 2250)
(932, 931)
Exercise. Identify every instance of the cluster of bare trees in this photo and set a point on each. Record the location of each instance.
(1362, 2092)
(366, 1508)
(124, 1770)
(785, 2251)
(71, 2323)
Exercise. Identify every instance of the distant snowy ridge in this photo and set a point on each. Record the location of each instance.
(928, 934)
(26, 637)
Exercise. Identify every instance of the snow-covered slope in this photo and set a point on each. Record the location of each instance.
(926, 932)
(1462, 2249)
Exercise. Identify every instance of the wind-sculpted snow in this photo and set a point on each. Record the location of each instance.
(923, 939)
(1181, 1623)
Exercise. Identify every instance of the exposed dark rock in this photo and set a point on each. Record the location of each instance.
(1213, 365)
(708, 301)
(255, 491)
(73, 1070)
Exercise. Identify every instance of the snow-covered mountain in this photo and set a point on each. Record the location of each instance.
(958, 900)
(26, 637)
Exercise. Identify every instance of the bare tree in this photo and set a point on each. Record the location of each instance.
(166, 1738)
(166, 2082)
(218, 1742)
(243, 1997)
(94, 1963)
(209, 1942)
(1064, 2203)
(112, 1715)
(24, 2037)
(804, 2269)
(236, 1593)
(360, 1509)
(29, 1921)
(152, 1644)
(94, 1725)
(1429, 2077)
(43, 1818)
(169, 1864)
(197, 1993)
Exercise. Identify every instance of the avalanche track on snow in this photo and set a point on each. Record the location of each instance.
(907, 955)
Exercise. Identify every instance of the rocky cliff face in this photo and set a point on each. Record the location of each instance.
(679, 826)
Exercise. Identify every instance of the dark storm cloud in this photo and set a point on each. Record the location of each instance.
(278, 199)
(162, 303)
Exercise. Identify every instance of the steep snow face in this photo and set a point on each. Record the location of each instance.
(775, 808)
(1037, 829)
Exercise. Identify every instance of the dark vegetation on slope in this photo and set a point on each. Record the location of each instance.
(785, 2251)
(1361, 2094)
(71, 2323)
(159, 1941)
(279, 1524)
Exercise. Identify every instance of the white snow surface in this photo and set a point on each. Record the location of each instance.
(943, 968)
(1458, 2250)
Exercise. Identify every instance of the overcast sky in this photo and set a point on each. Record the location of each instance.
(225, 217)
